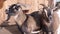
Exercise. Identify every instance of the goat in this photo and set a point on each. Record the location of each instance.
(26, 23)
(50, 20)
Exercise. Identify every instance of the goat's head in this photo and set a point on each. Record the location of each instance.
(46, 13)
(13, 9)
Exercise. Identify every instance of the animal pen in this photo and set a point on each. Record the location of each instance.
(32, 5)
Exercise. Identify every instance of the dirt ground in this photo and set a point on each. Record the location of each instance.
(9, 30)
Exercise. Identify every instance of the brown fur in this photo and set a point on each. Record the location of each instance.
(54, 25)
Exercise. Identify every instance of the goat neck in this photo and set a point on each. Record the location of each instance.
(20, 17)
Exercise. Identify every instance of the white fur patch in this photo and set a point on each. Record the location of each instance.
(46, 12)
(35, 31)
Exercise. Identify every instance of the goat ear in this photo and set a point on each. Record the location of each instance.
(25, 11)
(55, 8)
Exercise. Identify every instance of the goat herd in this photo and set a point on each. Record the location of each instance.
(45, 21)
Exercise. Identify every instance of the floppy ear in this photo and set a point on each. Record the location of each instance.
(25, 7)
(55, 8)
(25, 11)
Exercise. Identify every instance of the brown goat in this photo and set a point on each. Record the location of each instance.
(26, 23)
(50, 21)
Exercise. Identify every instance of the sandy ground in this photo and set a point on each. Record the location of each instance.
(11, 29)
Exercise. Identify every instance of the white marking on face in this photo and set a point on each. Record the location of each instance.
(46, 12)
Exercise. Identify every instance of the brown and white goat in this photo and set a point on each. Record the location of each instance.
(26, 23)
(50, 21)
